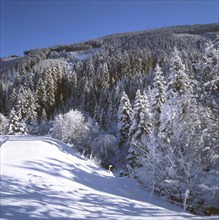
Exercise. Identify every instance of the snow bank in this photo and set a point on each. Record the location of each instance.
(42, 178)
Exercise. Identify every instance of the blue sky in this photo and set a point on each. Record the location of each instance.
(41, 23)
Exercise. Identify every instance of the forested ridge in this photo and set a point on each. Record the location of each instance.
(146, 102)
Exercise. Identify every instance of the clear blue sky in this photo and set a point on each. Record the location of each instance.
(28, 24)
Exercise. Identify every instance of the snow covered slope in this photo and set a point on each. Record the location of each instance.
(42, 178)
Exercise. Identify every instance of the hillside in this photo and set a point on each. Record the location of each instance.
(86, 59)
(124, 55)
(42, 178)
(145, 102)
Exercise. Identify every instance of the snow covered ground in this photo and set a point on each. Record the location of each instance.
(42, 178)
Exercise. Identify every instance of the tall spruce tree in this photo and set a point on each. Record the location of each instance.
(16, 126)
(137, 132)
(124, 120)
(175, 116)
(50, 94)
(158, 98)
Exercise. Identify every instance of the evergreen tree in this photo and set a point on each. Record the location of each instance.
(3, 124)
(179, 82)
(16, 125)
(176, 120)
(41, 95)
(146, 172)
(158, 98)
(112, 109)
(89, 69)
(12, 99)
(31, 106)
(126, 65)
(50, 95)
(102, 119)
(210, 77)
(138, 61)
(89, 99)
(124, 121)
(97, 113)
(21, 103)
(26, 106)
(105, 76)
(179, 95)
(137, 132)
(2, 97)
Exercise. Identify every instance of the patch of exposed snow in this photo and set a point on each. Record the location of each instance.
(74, 55)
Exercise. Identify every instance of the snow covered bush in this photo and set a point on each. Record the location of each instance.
(70, 127)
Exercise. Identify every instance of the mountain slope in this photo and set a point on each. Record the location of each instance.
(97, 68)
(42, 178)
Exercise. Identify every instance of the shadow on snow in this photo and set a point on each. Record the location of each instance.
(44, 201)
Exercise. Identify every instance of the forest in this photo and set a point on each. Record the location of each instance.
(146, 103)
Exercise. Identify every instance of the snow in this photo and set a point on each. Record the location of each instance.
(42, 178)
(79, 55)
(83, 55)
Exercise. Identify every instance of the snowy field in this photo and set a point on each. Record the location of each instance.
(42, 178)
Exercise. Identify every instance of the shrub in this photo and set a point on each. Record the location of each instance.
(70, 128)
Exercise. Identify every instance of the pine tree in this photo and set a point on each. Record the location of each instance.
(73, 85)
(21, 103)
(50, 95)
(25, 105)
(41, 95)
(31, 106)
(137, 131)
(89, 69)
(210, 77)
(2, 97)
(175, 116)
(112, 109)
(138, 111)
(102, 119)
(124, 121)
(179, 95)
(102, 77)
(138, 61)
(158, 98)
(16, 125)
(3, 124)
(97, 113)
(179, 82)
(105, 76)
(142, 152)
(126, 65)
(12, 99)
(59, 73)
(89, 99)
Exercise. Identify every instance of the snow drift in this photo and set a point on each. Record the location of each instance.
(42, 178)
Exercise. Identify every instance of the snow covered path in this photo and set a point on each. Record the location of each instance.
(42, 178)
